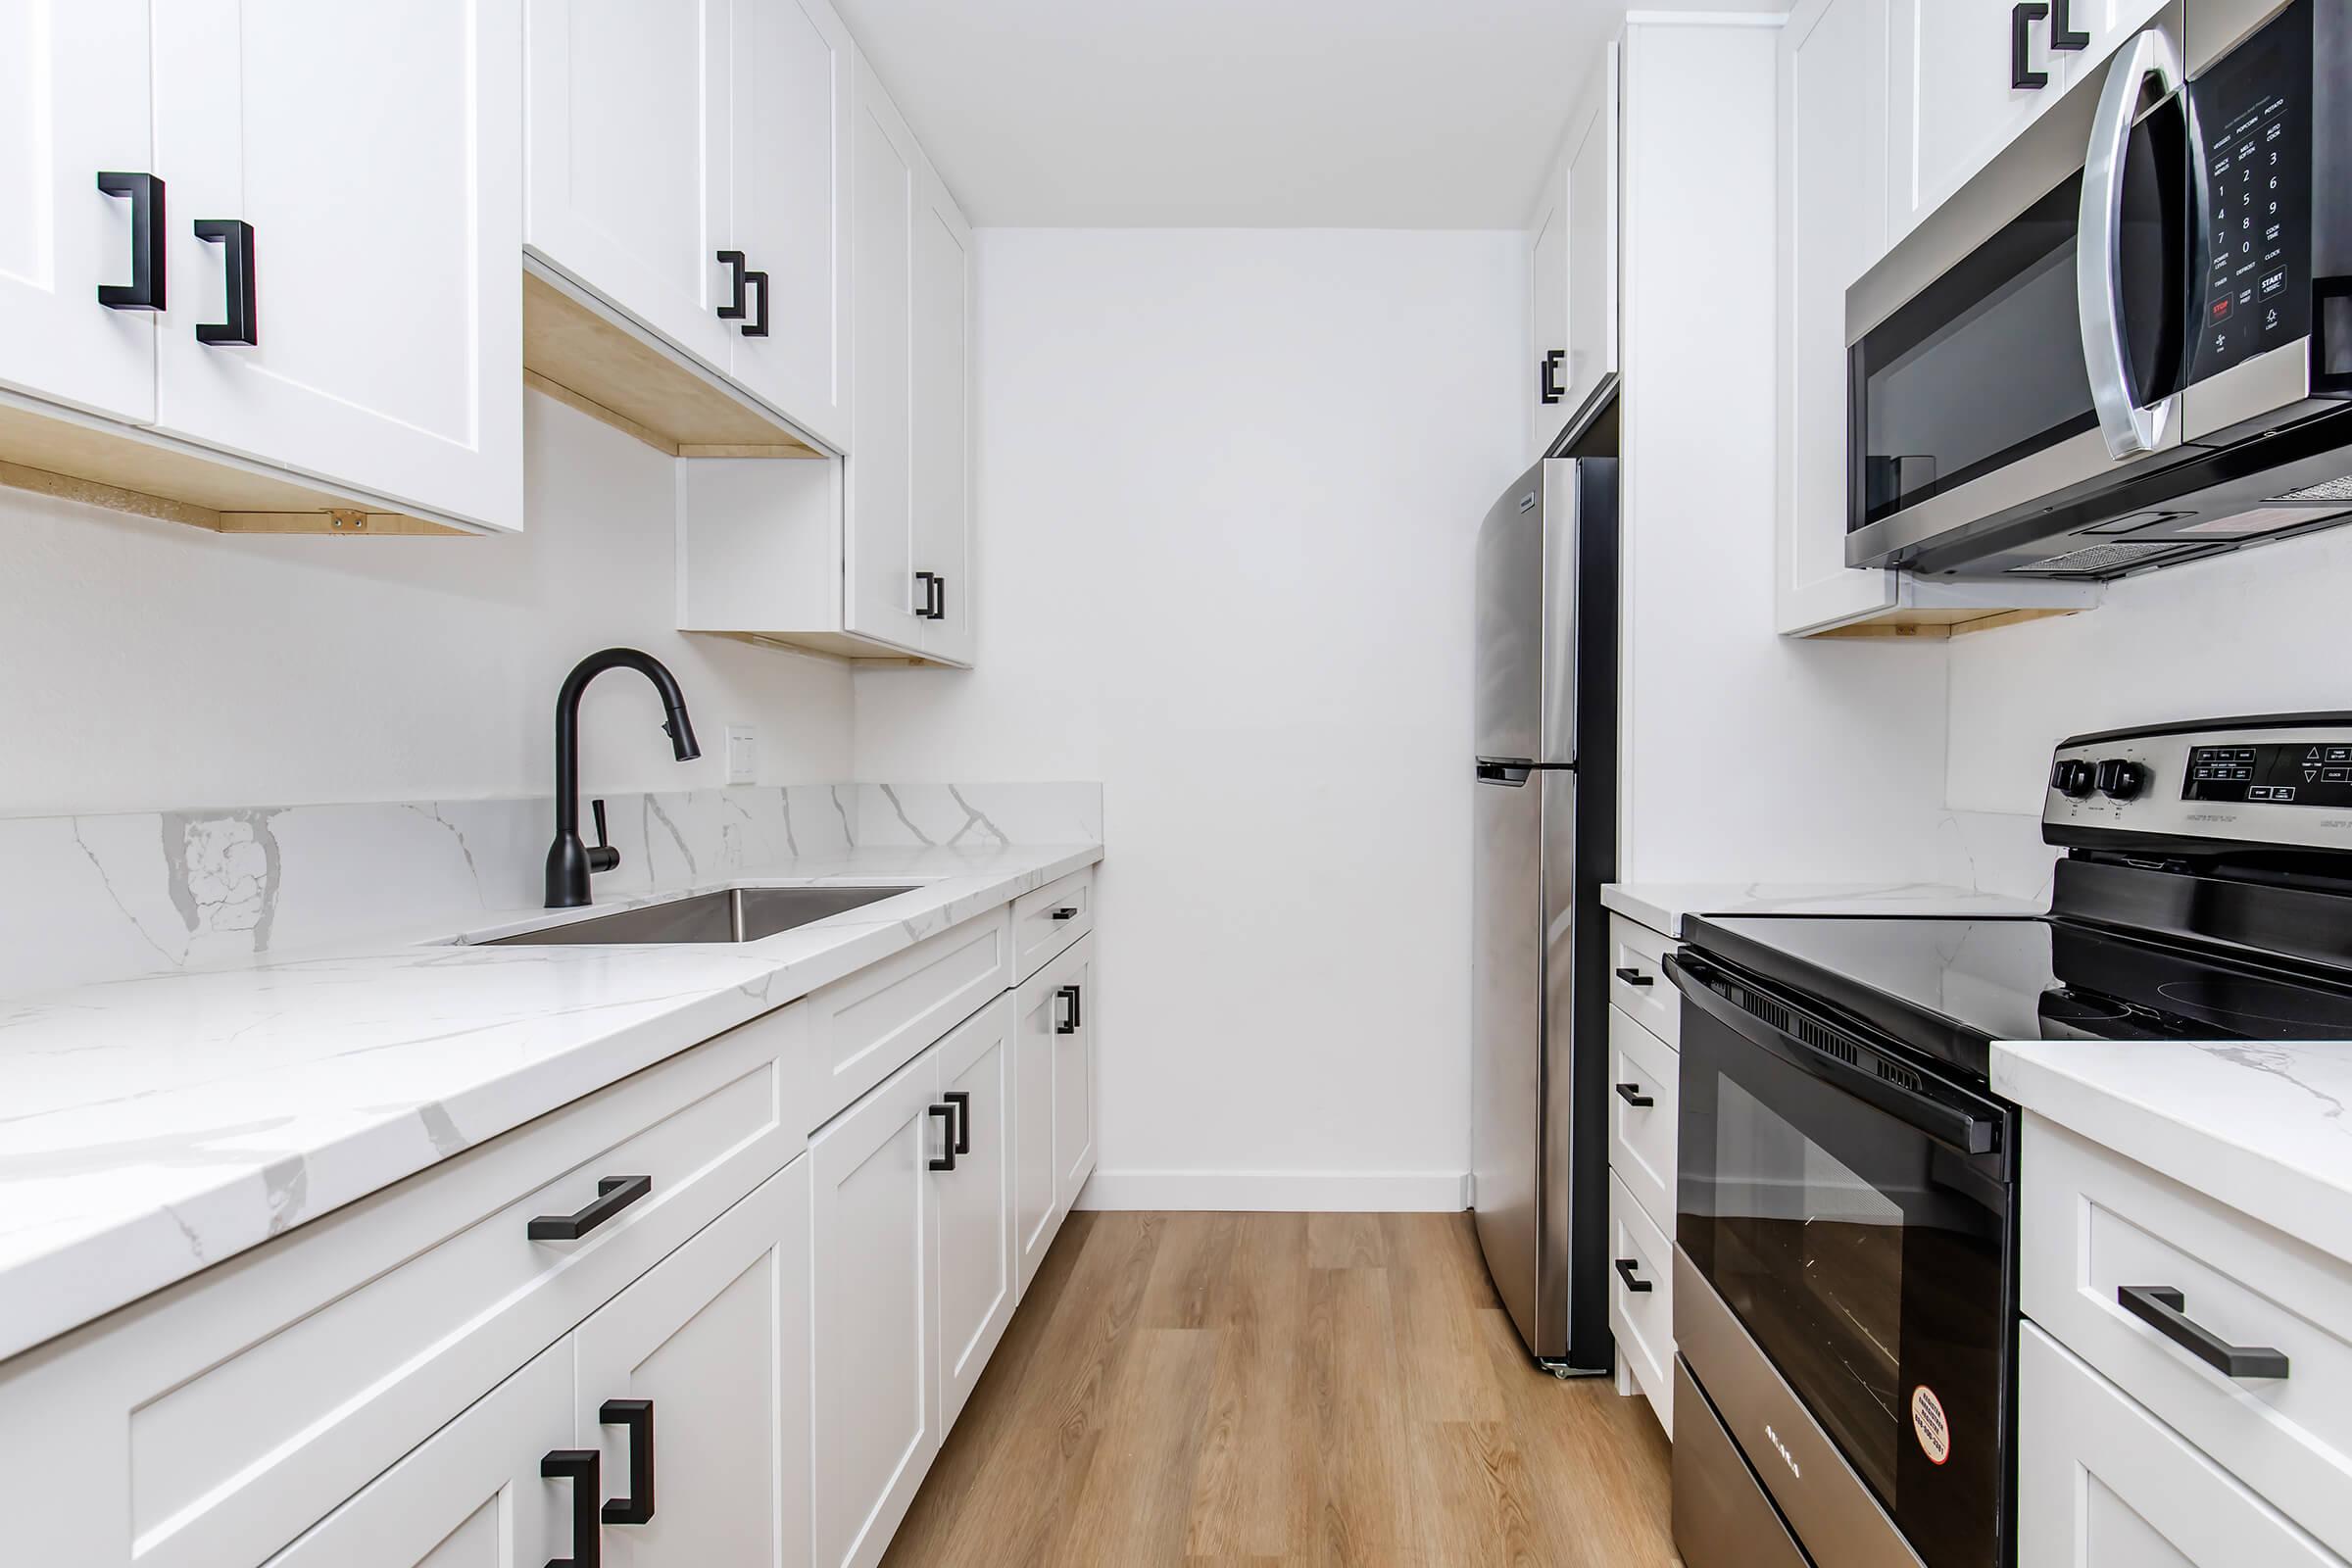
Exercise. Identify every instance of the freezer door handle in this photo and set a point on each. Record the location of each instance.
(1513, 774)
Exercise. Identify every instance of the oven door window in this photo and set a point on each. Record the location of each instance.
(1985, 365)
(1868, 1261)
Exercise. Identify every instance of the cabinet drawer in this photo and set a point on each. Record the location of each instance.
(866, 1026)
(1643, 1320)
(1637, 980)
(212, 1422)
(2104, 1483)
(1048, 920)
(2096, 1222)
(1641, 1137)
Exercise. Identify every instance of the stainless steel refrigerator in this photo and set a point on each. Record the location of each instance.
(1545, 840)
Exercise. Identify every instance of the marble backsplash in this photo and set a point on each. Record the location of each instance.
(111, 896)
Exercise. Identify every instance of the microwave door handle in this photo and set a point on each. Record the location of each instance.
(1947, 1124)
(2131, 430)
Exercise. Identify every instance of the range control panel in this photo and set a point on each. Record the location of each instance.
(2317, 773)
(2285, 781)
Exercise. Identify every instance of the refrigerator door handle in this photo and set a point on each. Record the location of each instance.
(1513, 774)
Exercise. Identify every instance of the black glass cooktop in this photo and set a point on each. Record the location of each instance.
(1952, 987)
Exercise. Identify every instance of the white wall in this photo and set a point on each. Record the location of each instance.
(153, 664)
(2262, 632)
(1229, 483)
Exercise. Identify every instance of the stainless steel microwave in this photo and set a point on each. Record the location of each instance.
(2126, 343)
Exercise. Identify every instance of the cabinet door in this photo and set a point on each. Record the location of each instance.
(1592, 241)
(373, 152)
(73, 82)
(469, 1496)
(1951, 106)
(879, 551)
(876, 1330)
(2108, 22)
(1036, 1010)
(940, 401)
(1074, 1074)
(1832, 229)
(1547, 308)
(629, 147)
(975, 1203)
(716, 1340)
(791, 206)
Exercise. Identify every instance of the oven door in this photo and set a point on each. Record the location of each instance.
(2031, 338)
(1850, 1211)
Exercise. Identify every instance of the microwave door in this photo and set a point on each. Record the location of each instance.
(2132, 260)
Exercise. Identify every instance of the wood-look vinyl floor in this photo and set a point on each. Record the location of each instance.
(1281, 1391)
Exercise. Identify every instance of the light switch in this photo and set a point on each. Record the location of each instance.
(743, 754)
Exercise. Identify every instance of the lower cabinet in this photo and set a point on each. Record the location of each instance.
(1054, 1119)
(977, 1287)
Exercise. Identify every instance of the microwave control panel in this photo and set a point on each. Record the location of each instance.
(2253, 127)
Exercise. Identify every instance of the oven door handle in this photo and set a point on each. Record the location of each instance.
(2131, 430)
(1949, 1124)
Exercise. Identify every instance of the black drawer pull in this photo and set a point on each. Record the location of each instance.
(2063, 34)
(2162, 1308)
(613, 1195)
(927, 592)
(1547, 383)
(637, 1415)
(145, 290)
(1633, 1095)
(242, 325)
(581, 1467)
(1627, 1271)
(757, 327)
(2021, 34)
(1068, 1025)
(946, 1113)
(1635, 977)
(732, 261)
(1067, 911)
(962, 1099)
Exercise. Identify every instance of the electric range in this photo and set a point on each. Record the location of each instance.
(1845, 1268)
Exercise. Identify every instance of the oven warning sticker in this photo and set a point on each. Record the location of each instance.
(1929, 1425)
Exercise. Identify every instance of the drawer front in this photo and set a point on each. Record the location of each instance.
(866, 1026)
(1643, 1320)
(216, 1420)
(2104, 1483)
(1050, 919)
(2095, 1223)
(1637, 981)
(1641, 1137)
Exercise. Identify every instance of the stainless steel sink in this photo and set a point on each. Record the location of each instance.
(734, 914)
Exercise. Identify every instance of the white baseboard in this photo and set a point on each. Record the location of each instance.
(1277, 1192)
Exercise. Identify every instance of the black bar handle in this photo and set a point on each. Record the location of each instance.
(1067, 911)
(145, 290)
(2021, 37)
(1514, 774)
(1635, 977)
(732, 261)
(637, 1415)
(757, 327)
(2162, 1308)
(614, 1193)
(929, 586)
(2063, 34)
(939, 598)
(581, 1467)
(1069, 1024)
(962, 1099)
(946, 1113)
(1549, 380)
(243, 323)
(1626, 1271)
(1633, 1095)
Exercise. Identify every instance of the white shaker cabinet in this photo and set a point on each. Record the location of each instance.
(74, 73)
(1572, 261)
(344, 227)
(940, 405)
(472, 1495)
(694, 1384)
(977, 1287)
(1951, 103)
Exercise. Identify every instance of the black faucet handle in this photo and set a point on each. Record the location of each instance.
(604, 857)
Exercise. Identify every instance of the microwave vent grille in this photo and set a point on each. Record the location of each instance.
(2107, 556)
(2329, 490)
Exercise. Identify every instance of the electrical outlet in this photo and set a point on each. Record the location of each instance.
(743, 754)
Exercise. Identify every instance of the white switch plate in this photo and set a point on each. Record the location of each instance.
(743, 754)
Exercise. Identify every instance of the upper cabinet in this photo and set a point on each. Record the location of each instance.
(1572, 261)
(685, 169)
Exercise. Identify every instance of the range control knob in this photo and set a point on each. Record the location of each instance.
(2120, 780)
(2072, 779)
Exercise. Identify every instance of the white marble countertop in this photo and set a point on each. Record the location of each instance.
(1665, 905)
(152, 1127)
(2261, 1127)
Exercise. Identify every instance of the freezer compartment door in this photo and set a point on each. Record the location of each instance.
(1507, 1043)
(1509, 625)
